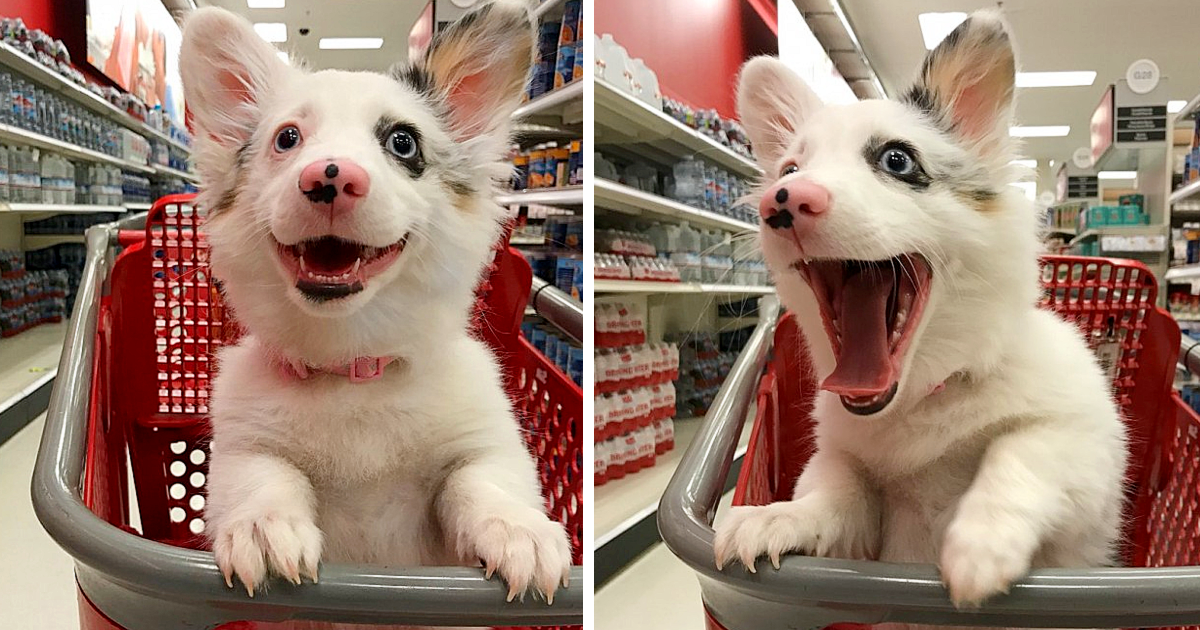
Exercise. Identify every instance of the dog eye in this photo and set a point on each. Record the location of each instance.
(402, 144)
(287, 138)
(789, 169)
(897, 161)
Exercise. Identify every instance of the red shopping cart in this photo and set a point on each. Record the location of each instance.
(1113, 304)
(131, 401)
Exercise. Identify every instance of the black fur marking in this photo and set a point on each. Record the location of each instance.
(460, 187)
(918, 179)
(331, 170)
(781, 195)
(384, 128)
(321, 194)
(416, 77)
(782, 220)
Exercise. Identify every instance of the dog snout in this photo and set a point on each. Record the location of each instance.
(339, 184)
(793, 206)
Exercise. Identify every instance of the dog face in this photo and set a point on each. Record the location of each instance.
(351, 212)
(890, 226)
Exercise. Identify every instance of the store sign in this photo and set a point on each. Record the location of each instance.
(1142, 76)
(1082, 157)
(1083, 187)
(1142, 123)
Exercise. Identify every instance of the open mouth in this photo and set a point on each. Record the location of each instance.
(329, 268)
(871, 311)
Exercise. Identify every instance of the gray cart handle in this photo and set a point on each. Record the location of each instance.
(145, 585)
(558, 308)
(812, 593)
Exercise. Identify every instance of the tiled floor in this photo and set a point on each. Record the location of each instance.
(37, 583)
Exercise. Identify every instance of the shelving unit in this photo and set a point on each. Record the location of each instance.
(1184, 272)
(58, 208)
(22, 136)
(1147, 231)
(166, 170)
(636, 286)
(1187, 192)
(563, 106)
(42, 241)
(568, 196)
(621, 198)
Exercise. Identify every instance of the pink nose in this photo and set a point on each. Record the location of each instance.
(792, 207)
(336, 183)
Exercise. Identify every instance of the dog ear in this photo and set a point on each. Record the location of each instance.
(967, 84)
(773, 101)
(480, 66)
(226, 70)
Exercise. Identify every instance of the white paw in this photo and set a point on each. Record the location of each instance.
(249, 548)
(749, 532)
(526, 548)
(979, 562)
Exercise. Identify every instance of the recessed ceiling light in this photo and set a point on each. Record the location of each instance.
(1055, 79)
(350, 43)
(936, 26)
(1176, 106)
(1044, 131)
(1026, 163)
(274, 32)
(1117, 174)
(265, 4)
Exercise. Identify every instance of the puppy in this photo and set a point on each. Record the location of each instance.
(350, 217)
(957, 423)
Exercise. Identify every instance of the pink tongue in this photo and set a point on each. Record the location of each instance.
(864, 366)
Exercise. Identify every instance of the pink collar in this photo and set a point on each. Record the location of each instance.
(360, 370)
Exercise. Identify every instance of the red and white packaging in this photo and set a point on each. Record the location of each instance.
(628, 443)
(645, 439)
(664, 435)
(600, 463)
(616, 459)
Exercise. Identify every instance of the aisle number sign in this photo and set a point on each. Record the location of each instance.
(1142, 123)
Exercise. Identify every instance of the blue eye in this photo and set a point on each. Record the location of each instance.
(402, 144)
(897, 162)
(287, 139)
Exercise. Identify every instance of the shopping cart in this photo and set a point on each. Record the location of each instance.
(131, 397)
(1113, 302)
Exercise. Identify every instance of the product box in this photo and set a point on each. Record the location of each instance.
(1116, 216)
(569, 33)
(1097, 217)
(1133, 200)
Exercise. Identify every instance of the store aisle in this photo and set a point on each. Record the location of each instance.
(38, 588)
(657, 591)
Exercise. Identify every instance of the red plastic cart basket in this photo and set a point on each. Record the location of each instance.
(1113, 303)
(131, 399)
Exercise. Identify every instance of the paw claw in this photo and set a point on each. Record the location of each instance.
(527, 550)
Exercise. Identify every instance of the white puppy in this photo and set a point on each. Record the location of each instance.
(957, 424)
(350, 219)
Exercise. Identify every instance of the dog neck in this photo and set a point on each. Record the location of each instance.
(358, 370)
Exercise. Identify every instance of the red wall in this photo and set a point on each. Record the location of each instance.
(694, 46)
(62, 19)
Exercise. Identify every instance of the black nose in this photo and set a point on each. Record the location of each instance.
(782, 220)
(331, 171)
(781, 195)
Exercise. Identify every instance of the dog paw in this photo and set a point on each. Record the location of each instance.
(749, 532)
(980, 562)
(527, 549)
(249, 549)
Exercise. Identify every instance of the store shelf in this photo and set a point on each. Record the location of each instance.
(636, 286)
(1060, 232)
(1184, 272)
(1186, 318)
(517, 241)
(14, 59)
(549, 7)
(622, 198)
(138, 206)
(28, 365)
(563, 106)
(1119, 230)
(622, 119)
(1189, 111)
(22, 136)
(567, 196)
(167, 170)
(57, 208)
(41, 241)
(1187, 191)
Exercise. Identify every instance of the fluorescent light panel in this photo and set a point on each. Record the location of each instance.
(936, 26)
(1176, 106)
(274, 32)
(350, 43)
(1117, 174)
(1026, 163)
(1055, 79)
(1044, 131)
(265, 4)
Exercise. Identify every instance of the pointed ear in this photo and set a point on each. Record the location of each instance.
(773, 101)
(967, 82)
(480, 66)
(226, 70)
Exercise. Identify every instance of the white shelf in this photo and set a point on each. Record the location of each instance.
(1119, 230)
(139, 205)
(22, 136)
(1184, 272)
(560, 105)
(167, 170)
(622, 119)
(16, 60)
(41, 241)
(1189, 111)
(622, 198)
(548, 6)
(1060, 232)
(567, 196)
(57, 208)
(1187, 191)
(526, 240)
(1186, 318)
(638, 286)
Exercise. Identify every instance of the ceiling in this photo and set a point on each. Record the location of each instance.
(389, 19)
(1100, 35)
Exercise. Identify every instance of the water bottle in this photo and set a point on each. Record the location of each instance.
(4, 190)
(689, 182)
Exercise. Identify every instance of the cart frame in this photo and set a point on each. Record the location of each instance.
(145, 585)
(810, 593)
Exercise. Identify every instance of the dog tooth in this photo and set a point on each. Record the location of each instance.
(302, 265)
(357, 263)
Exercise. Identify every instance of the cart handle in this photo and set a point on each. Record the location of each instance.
(558, 308)
(120, 571)
(1077, 597)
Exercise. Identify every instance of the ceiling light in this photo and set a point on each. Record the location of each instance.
(283, 56)
(1055, 79)
(1117, 174)
(936, 26)
(350, 43)
(1030, 189)
(274, 32)
(1045, 131)
(1176, 106)
(1026, 163)
(265, 4)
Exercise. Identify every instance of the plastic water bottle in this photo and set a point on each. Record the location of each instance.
(4, 190)
(689, 182)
